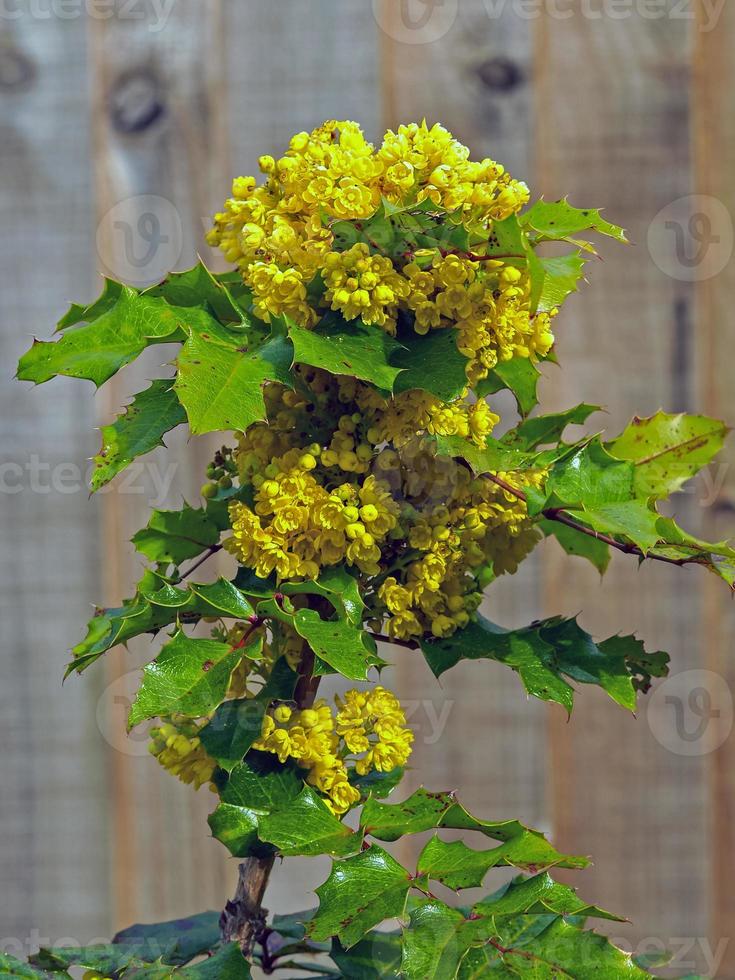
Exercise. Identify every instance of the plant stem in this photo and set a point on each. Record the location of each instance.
(562, 517)
(243, 919)
(200, 561)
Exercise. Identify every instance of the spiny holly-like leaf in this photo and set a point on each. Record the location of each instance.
(198, 287)
(435, 941)
(99, 348)
(668, 450)
(561, 276)
(188, 677)
(375, 783)
(375, 957)
(220, 598)
(308, 827)
(360, 893)
(228, 963)
(631, 520)
(576, 543)
(176, 941)
(539, 895)
(563, 950)
(11, 967)
(433, 811)
(591, 477)
(221, 374)
(545, 429)
(79, 313)
(337, 642)
(348, 347)
(457, 866)
(110, 627)
(175, 535)
(560, 221)
(104, 959)
(337, 585)
(233, 728)
(519, 375)
(548, 654)
(139, 430)
(257, 786)
(432, 363)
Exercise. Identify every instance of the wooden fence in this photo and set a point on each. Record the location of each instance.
(620, 104)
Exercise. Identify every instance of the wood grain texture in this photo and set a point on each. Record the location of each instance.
(714, 145)
(477, 731)
(618, 137)
(53, 804)
(158, 118)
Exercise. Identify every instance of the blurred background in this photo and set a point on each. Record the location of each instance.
(122, 123)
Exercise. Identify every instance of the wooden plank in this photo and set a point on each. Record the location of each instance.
(714, 143)
(612, 130)
(158, 115)
(53, 809)
(479, 734)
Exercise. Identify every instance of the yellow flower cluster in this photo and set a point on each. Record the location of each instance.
(370, 726)
(176, 745)
(281, 236)
(370, 492)
(476, 525)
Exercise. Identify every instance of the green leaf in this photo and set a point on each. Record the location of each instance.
(104, 959)
(375, 957)
(256, 787)
(361, 892)
(10, 967)
(456, 865)
(560, 221)
(172, 536)
(176, 941)
(348, 347)
(546, 429)
(561, 275)
(435, 942)
(198, 287)
(668, 450)
(579, 544)
(548, 654)
(538, 895)
(339, 586)
(110, 627)
(138, 431)
(116, 336)
(432, 363)
(562, 949)
(79, 313)
(233, 728)
(519, 375)
(221, 376)
(633, 520)
(589, 479)
(337, 642)
(308, 827)
(375, 783)
(227, 963)
(188, 677)
(434, 811)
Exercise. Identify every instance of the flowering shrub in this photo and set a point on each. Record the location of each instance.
(381, 296)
